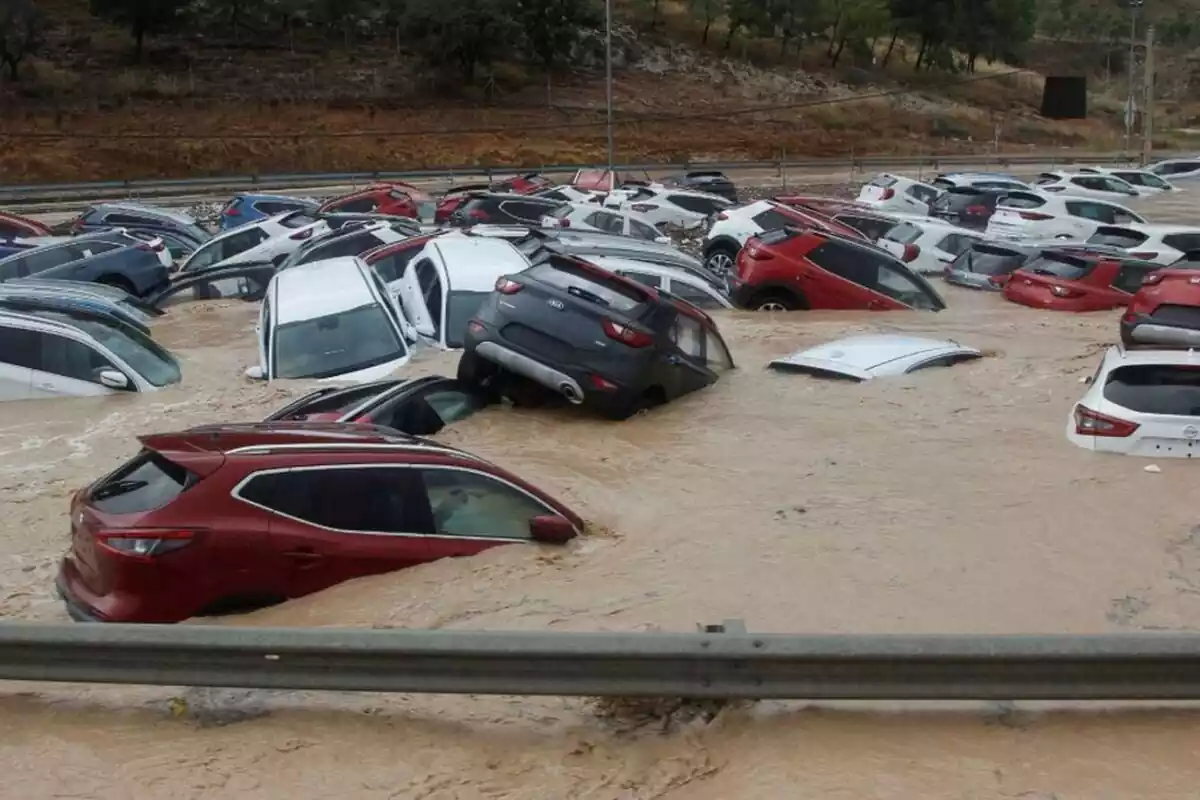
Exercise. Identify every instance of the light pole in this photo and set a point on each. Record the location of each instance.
(608, 82)
(1134, 5)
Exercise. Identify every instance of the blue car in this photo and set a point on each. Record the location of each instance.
(244, 208)
(135, 263)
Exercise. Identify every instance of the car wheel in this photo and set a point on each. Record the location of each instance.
(775, 302)
(722, 260)
(475, 371)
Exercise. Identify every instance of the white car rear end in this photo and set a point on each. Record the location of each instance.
(1161, 244)
(887, 192)
(927, 247)
(1040, 217)
(1141, 403)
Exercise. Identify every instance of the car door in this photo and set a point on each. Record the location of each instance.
(67, 367)
(264, 335)
(1085, 216)
(18, 355)
(427, 410)
(247, 283)
(685, 359)
(419, 285)
(472, 511)
(328, 525)
(695, 293)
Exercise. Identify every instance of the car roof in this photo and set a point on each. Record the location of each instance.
(1121, 357)
(1161, 229)
(320, 288)
(175, 216)
(263, 436)
(473, 262)
(872, 355)
(285, 197)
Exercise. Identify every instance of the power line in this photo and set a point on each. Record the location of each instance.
(518, 129)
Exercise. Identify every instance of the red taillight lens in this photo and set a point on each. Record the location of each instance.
(911, 251)
(1034, 216)
(626, 335)
(564, 223)
(507, 286)
(1145, 255)
(976, 210)
(1153, 279)
(145, 543)
(1093, 423)
(642, 208)
(888, 194)
(722, 216)
(603, 384)
(233, 212)
(300, 236)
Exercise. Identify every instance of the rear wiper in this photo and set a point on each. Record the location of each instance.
(116, 488)
(586, 295)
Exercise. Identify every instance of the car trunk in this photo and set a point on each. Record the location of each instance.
(965, 207)
(1165, 402)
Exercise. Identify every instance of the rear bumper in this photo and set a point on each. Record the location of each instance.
(527, 367)
(76, 608)
(1142, 331)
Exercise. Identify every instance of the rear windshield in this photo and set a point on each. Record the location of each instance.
(588, 285)
(904, 233)
(1156, 389)
(1117, 237)
(989, 260)
(145, 483)
(1060, 265)
(298, 220)
(883, 181)
(957, 199)
(778, 235)
(1022, 200)
(771, 219)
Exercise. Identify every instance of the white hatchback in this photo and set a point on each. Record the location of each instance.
(618, 221)
(265, 240)
(887, 192)
(1088, 184)
(927, 246)
(1141, 403)
(1162, 244)
(1038, 216)
(666, 206)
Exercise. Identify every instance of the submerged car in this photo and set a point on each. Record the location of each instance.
(241, 281)
(134, 215)
(599, 340)
(397, 199)
(1165, 311)
(1075, 281)
(733, 228)
(133, 263)
(709, 181)
(228, 517)
(988, 265)
(14, 226)
(887, 192)
(861, 358)
(419, 406)
(928, 246)
(1141, 403)
(792, 269)
(244, 208)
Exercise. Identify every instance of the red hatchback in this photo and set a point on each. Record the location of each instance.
(1165, 310)
(790, 268)
(395, 199)
(228, 517)
(1061, 280)
(13, 226)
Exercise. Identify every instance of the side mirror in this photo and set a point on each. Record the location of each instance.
(113, 379)
(255, 373)
(551, 529)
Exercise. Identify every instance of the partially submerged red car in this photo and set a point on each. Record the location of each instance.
(1077, 281)
(227, 517)
(14, 226)
(603, 180)
(395, 199)
(454, 197)
(1165, 311)
(792, 268)
(530, 183)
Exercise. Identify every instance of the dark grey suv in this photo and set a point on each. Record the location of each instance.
(135, 262)
(595, 338)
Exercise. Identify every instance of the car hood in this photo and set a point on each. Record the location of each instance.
(865, 357)
(378, 372)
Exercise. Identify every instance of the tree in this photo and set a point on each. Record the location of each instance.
(466, 33)
(552, 27)
(142, 17)
(855, 21)
(21, 27)
(707, 11)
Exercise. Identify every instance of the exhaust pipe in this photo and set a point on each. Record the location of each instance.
(570, 392)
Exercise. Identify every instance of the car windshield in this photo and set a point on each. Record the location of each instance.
(1060, 266)
(139, 351)
(460, 307)
(987, 260)
(1117, 237)
(336, 344)
(1156, 389)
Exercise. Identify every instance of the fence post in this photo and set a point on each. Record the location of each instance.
(783, 168)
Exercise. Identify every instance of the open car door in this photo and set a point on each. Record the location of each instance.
(242, 281)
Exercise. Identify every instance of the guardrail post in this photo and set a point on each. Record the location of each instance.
(735, 626)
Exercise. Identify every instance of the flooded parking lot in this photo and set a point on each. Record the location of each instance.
(945, 501)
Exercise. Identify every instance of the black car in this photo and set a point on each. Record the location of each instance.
(701, 180)
(968, 206)
(421, 407)
(597, 339)
(495, 208)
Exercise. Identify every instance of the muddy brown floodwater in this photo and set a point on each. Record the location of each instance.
(948, 501)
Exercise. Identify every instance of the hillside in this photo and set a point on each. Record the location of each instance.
(356, 93)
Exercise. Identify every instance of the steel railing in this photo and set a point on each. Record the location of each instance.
(31, 193)
(721, 661)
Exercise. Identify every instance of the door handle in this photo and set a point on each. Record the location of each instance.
(304, 556)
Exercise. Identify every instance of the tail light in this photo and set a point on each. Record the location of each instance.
(911, 251)
(642, 208)
(1153, 279)
(888, 194)
(603, 384)
(233, 212)
(1129, 316)
(1145, 255)
(1035, 216)
(145, 543)
(758, 254)
(507, 286)
(1063, 291)
(626, 335)
(1093, 423)
(564, 223)
(300, 236)
(723, 215)
(976, 210)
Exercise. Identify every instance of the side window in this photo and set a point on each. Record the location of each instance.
(1129, 276)
(640, 230)
(1184, 242)
(358, 500)
(71, 359)
(392, 267)
(956, 243)
(241, 242)
(20, 348)
(716, 353)
(1121, 216)
(206, 256)
(266, 322)
(842, 261)
(699, 205)
(693, 294)
(271, 207)
(126, 219)
(449, 405)
(92, 248)
(48, 259)
(609, 223)
(771, 220)
(431, 290)
(941, 361)
(688, 336)
(474, 505)
(17, 268)
(643, 278)
(925, 194)
(1092, 211)
(556, 196)
(525, 211)
(350, 245)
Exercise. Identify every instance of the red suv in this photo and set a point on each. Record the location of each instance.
(395, 199)
(790, 268)
(1165, 311)
(226, 517)
(523, 184)
(1077, 280)
(454, 197)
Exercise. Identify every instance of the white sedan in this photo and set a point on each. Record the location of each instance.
(619, 221)
(1087, 184)
(266, 240)
(666, 206)
(1141, 403)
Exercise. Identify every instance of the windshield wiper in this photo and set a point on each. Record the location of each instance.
(117, 488)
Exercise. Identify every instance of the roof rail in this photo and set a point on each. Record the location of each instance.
(30, 317)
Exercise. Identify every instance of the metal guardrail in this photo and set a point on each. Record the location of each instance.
(721, 661)
(163, 188)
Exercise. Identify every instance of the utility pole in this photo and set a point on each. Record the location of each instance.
(1134, 5)
(608, 83)
(1148, 97)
